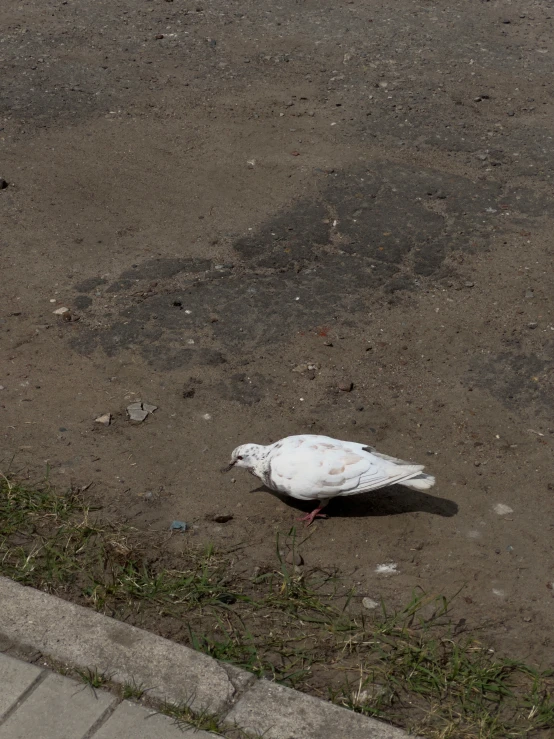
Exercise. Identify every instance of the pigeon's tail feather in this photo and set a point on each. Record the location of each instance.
(419, 482)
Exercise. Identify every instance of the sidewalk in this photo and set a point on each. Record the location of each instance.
(36, 702)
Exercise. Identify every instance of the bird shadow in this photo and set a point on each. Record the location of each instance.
(392, 501)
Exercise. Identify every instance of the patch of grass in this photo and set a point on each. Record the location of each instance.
(185, 718)
(94, 678)
(132, 691)
(299, 627)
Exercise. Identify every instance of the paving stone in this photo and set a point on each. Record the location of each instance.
(276, 712)
(15, 678)
(131, 721)
(59, 708)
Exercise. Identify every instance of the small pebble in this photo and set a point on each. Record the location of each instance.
(529, 294)
(293, 558)
(105, 420)
(178, 526)
(346, 387)
(533, 324)
(469, 284)
(3, 183)
(223, 518)
(370, 604)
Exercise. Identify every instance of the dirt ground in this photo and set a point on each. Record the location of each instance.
(247, 207)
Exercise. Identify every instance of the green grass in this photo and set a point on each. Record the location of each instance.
(302, 628)
(94, 678)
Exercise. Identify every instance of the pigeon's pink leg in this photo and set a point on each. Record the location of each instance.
(309, 517)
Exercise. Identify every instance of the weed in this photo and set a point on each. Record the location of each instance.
(131, 690)
(94, 678)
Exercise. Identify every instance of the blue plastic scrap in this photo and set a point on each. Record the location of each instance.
(178, 526)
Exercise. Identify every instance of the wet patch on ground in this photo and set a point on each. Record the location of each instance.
(519, 381)
(387, 227)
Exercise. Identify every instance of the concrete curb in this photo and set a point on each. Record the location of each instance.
(81, 638)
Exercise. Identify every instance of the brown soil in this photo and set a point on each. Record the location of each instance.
(222, 193)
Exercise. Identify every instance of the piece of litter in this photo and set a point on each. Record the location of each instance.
(387, 569)
(61, 311)
(502, 509)
(178, 526)
(105, 420)
(138, 411)
(369, 603)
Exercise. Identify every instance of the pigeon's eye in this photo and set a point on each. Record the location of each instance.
(240, 457)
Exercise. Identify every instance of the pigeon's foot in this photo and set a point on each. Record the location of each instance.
(309, 517)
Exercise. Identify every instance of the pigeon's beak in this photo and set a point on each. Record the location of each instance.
(229, 466)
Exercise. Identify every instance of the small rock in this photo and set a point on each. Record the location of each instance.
(300, 368)
(469, 283)
(223, 517)
(370, 604)
(3, 183)
(105, 420)
(137, 414)
(528, 294)
(346, 387)
(178, 526)
(159, 36)
(61, 311)
(139, 411)
(533, 324)
(293, 558)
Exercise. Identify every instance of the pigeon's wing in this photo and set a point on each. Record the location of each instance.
(319, 468)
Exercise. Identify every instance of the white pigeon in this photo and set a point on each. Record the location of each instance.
(318, 468)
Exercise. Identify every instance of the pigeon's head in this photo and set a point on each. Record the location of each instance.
(247, 456)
